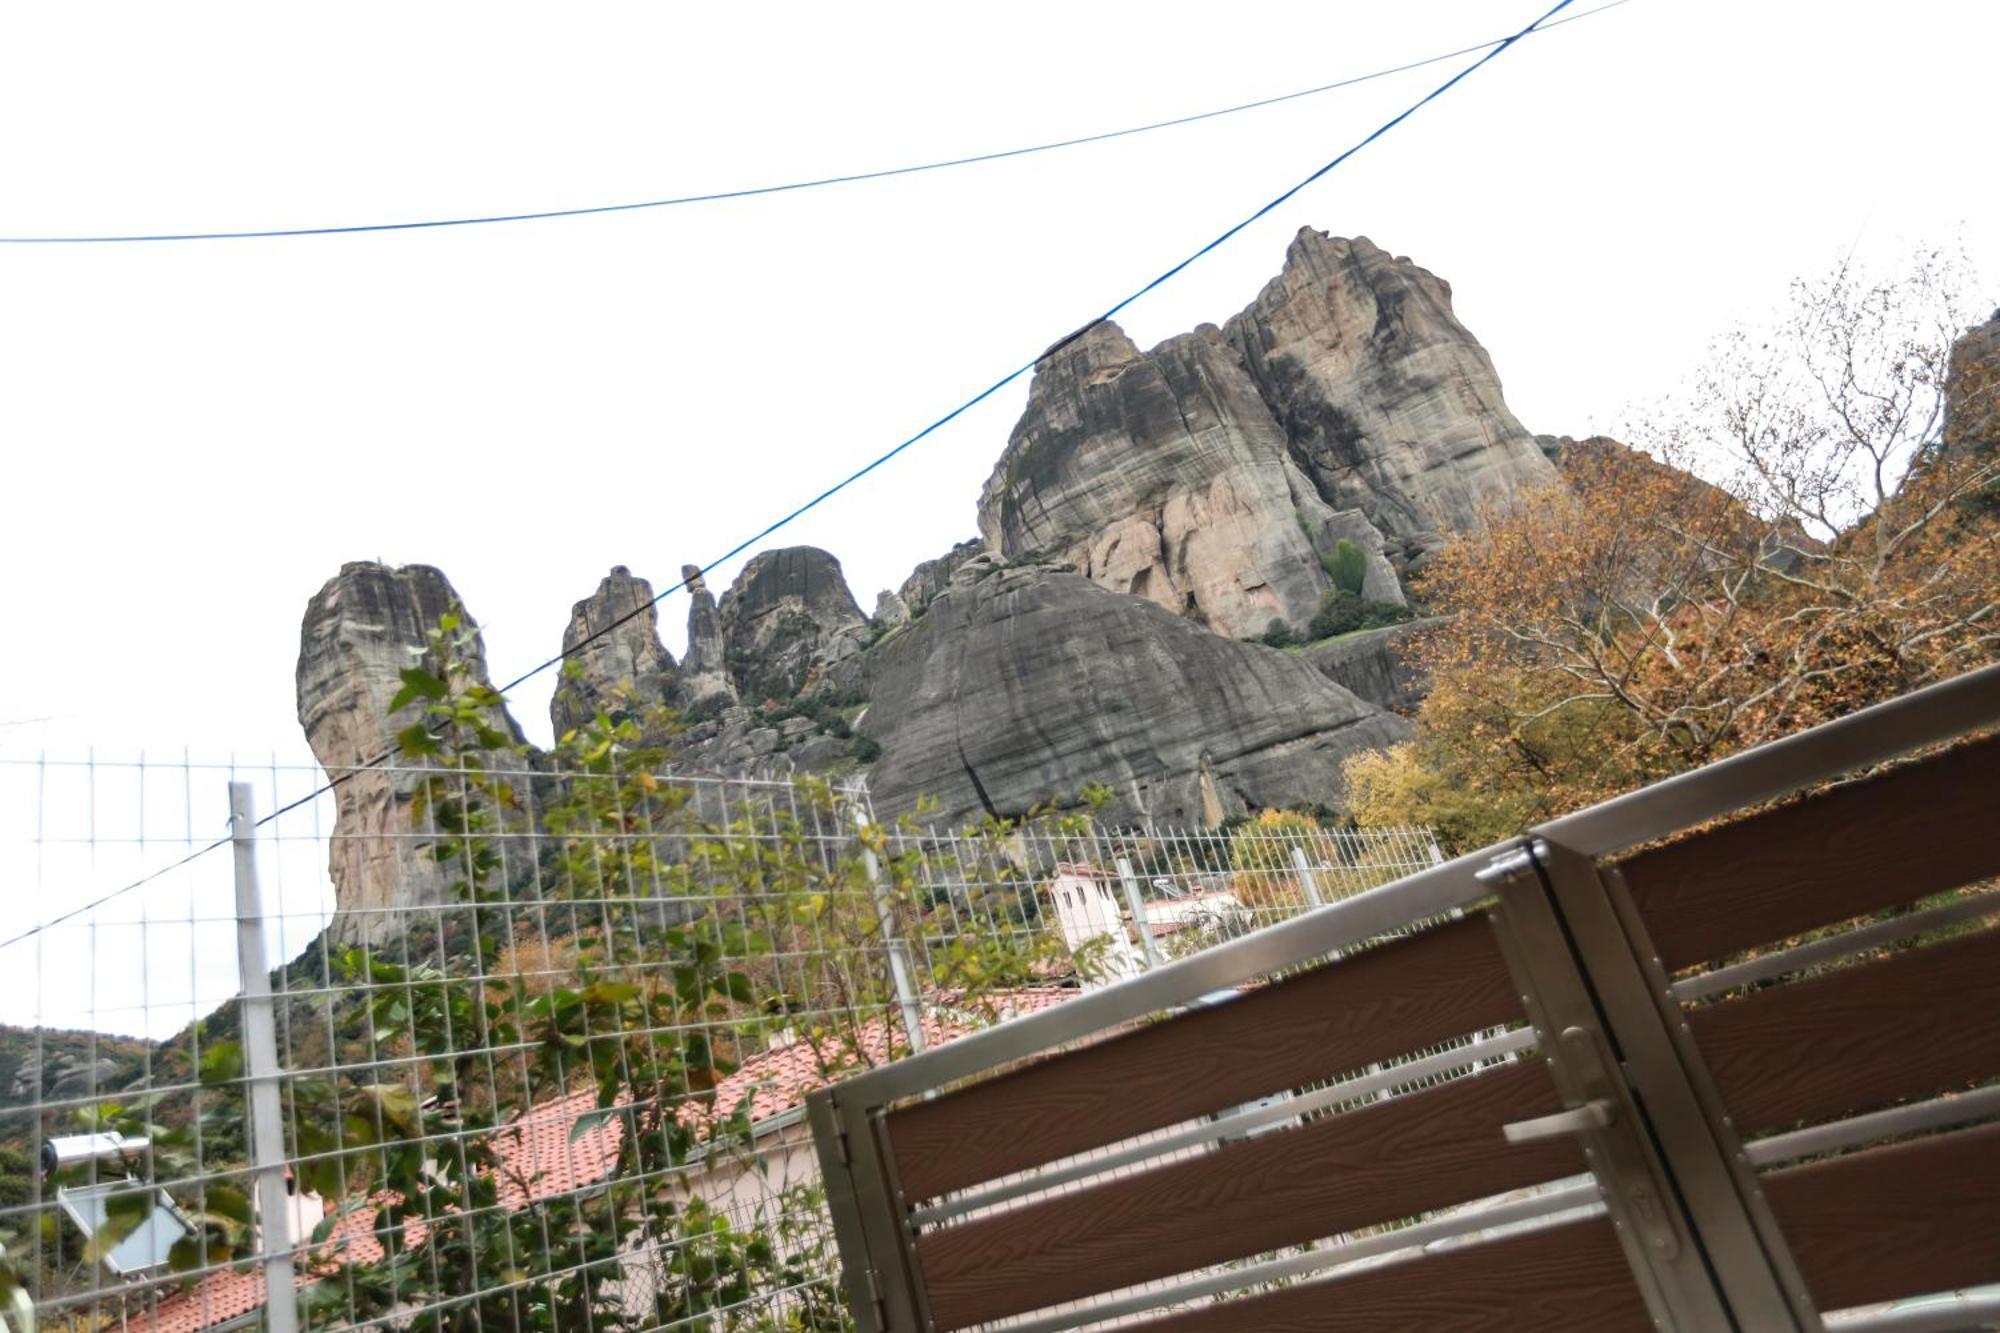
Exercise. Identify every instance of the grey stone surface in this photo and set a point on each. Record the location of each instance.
(1371, 665)
(1213, 473)
(624, 668)
(786, 619)
(65, 1077)
(1208, 478)
(1388, 403)
(1330, 527)
(85, 1078)
(1021, 687)
(1162, 474)
(731, 742)
(1972, 389)
(890, 610)
(929, 578)
(361, 629)
(705, 681)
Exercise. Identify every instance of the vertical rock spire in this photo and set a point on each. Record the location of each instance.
(705, 670)
(612, 655)
(368, 623)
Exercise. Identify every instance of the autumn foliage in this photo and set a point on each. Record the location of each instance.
(1637, 620)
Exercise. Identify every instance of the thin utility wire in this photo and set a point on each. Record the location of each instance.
(878, 462)
(849, 178)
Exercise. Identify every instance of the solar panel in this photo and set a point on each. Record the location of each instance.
(146, 1245)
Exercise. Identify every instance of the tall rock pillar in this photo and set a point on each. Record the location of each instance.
(368, 623)
(705, 670)
(612, 654)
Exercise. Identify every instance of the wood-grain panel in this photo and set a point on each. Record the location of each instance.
(1892, 838)
(1920, 1022)
(1904, 1220)
(1415, 1153)
(1392, 999)
(1571, 1278)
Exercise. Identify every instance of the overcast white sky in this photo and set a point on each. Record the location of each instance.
(197, 435)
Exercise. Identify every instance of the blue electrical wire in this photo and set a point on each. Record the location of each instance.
(857, 475)
(1067, 339)
(791, 186)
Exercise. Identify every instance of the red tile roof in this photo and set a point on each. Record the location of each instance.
(538, 1160)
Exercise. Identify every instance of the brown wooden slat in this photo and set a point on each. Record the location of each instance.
(1563, 1279)
(1892, 1222)
(1924, 1021)
(1892, 838)
(1392, 999)
(1415, 1153)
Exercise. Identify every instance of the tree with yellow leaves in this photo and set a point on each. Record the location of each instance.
(1638, 620)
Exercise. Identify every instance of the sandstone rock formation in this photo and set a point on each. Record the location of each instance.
(705, 681)
(929, 578)
(1214, 473)
(1389, 405)
(890, 610)
(1972, 389)
(786, 620)
(1214, 478)
(361, 629)
(1161, 474)
(624, 667)
(1372, 665)
(1022, 686)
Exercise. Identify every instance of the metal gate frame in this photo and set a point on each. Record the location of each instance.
(1704, 1250)
(1681, 1195)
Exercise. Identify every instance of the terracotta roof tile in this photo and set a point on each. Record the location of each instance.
(538, 1160)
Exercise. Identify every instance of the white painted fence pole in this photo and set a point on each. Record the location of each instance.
(1306, 879)
(260, 1062)
(1138, 906)
(899, 958)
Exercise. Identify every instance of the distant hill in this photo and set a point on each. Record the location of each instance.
(51, 1064)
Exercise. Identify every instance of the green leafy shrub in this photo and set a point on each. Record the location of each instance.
(1343, 612)
(1277, 634)
(1347, 567)
(16, 1182)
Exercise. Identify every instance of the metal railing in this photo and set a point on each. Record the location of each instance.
(543, 1063)
(878, 1228)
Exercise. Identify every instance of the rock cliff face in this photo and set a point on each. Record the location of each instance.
(930, 577)
(612, 654)
(1213, 473)
(1972, 389)
(360, 630)
(1021, 686)
(1161, 474)
(786, 619)
(1371, 665)
(1150, 510)
(1388, 403)
(705, 674)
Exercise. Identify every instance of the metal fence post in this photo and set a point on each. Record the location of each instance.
(1138, 906)
(899, 958)
(1306, 878)
(260, 1057)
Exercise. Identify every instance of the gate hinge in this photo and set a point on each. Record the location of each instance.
(876, 1303)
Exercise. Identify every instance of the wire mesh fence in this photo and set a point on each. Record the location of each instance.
(540, 1061)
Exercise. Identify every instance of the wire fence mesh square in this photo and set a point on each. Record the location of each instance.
(545, 1067)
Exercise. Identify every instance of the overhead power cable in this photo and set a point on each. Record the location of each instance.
(821, 182)
(882, 459)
